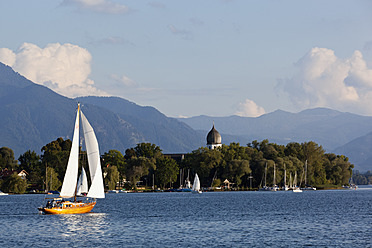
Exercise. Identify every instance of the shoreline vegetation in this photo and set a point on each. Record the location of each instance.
(144, 168)
(318, 188)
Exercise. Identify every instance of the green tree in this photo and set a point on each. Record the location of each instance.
(216, 183)
(166, 170)
(31, 163)
(55, 155)
(148, 150)
(144, 154)
(112, 177)
(7, 160)
(52, 182)
(236, 169)
(14, 184)
(205, 162)
(294, 149)
(338, 169)
(138, 167)
(115, 158)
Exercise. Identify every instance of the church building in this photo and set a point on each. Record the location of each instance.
(213, 139)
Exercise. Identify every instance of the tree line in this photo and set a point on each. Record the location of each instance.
(362, 178)
(146, 165)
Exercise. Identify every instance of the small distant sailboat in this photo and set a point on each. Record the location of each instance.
(307, 187)
(187, 187)
(264, 188)
(285, 186)
(274, 187)
(71, 188)
(196, 185)
(295, 188)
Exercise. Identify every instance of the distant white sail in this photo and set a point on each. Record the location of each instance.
(196, 185)
(82, 183)
(96, 189)
(69, 181)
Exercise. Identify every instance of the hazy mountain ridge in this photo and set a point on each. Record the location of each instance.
(157, 128)
(33, 115)
(359, 152)
(329, 128)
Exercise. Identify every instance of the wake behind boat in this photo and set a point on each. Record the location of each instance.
(71, 187)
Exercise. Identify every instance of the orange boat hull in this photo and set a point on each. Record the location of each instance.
(70, 208)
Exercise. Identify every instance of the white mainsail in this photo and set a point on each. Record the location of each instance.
(196, 185)
(70, 186)
(69, 181)
(82, 186)
(96, 189)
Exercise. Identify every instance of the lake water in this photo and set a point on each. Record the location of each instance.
(330, 218)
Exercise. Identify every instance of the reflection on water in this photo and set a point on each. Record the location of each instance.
(91, 224)
(227, 219)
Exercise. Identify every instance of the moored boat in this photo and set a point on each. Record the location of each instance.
(295, 188)
(307, 187)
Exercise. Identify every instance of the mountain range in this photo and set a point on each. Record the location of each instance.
(33, 115)
(338, 132)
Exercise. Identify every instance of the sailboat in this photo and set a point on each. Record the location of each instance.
(70, 187)
(295, 188)
(285, 186)
(274, 187)
(187, 187)
(307, 187)
(196, 185)
(264, 188)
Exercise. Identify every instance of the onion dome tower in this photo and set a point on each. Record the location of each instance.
(213, 139)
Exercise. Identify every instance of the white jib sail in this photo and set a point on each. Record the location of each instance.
(96, 189)
(69, 181)
(196, 185)
(82, 183)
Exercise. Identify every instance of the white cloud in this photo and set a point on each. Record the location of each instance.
(324, 80)
(249, 108)
(7, 56)
(102, 6)
(124, 80)
(63, 68)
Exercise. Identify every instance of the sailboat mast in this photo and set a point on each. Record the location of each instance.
(265, 173)
(153, 181)
(180, 178)
(305, 172)
(46, 177)
(285, 175)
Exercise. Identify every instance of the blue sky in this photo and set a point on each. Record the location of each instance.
(188, 58)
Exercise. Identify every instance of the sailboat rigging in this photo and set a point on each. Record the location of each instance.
(71, 187)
